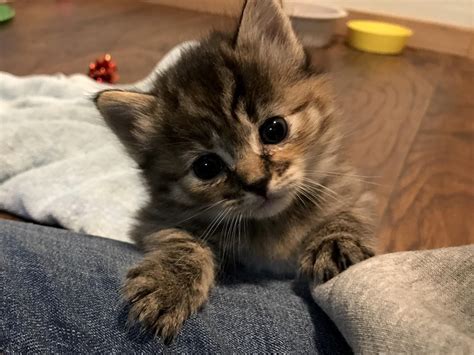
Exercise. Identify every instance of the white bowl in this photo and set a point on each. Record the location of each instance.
(314, 24)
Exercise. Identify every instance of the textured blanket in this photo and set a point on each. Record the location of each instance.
(60, 165)
(410, 302)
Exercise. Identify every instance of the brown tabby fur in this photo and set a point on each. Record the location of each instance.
(213, 100)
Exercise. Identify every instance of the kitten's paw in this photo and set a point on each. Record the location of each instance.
(325, 258)
(161, 301)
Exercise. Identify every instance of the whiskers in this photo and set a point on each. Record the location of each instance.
(303, 192)
(316, 193)
(231, 238)
(321, 189)
(199, 211)
(215, 223)
(230, 226)
(366, 179)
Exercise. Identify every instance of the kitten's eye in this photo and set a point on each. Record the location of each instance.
(208, 166)
(273, 130)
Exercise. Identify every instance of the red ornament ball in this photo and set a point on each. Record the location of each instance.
(104, 70)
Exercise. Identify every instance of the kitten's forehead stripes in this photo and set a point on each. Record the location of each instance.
(239, 88)
(252, 87)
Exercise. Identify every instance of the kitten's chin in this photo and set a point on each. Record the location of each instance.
(271, 207)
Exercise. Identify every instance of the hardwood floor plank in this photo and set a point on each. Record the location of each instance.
(384, 99)
(432, 205)
(46, 38)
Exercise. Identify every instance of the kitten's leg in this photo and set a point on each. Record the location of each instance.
(172, 282)
(337, 243)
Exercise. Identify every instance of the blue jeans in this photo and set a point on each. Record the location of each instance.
(60, 293)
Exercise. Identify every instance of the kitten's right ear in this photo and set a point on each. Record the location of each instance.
(130, 116)
(264, 22)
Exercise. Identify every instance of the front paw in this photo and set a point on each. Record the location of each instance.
(161, 300)
(325, 258)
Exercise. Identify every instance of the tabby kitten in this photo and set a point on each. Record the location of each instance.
(240, 147)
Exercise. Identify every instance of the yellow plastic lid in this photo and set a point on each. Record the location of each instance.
(377, 37)
(379, 28)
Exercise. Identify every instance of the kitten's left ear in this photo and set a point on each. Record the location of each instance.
(264, 22)
(131, 117)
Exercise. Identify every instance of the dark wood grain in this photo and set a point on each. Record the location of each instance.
(432, 204)
(409, 118)
(49, 36)
(383, 100)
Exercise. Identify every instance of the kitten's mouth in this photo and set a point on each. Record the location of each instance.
(271, 206)
(270, 201)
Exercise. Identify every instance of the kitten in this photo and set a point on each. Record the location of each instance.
(240, 146)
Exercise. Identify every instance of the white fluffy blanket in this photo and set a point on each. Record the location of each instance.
(59, 163)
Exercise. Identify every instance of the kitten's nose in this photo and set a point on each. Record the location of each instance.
(258, 187)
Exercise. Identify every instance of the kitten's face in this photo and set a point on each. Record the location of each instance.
(245, 146)
(234, 124)
(249, 164)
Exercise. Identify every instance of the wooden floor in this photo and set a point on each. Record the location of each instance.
(410, 118)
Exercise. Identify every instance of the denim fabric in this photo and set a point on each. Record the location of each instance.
(59, 293)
